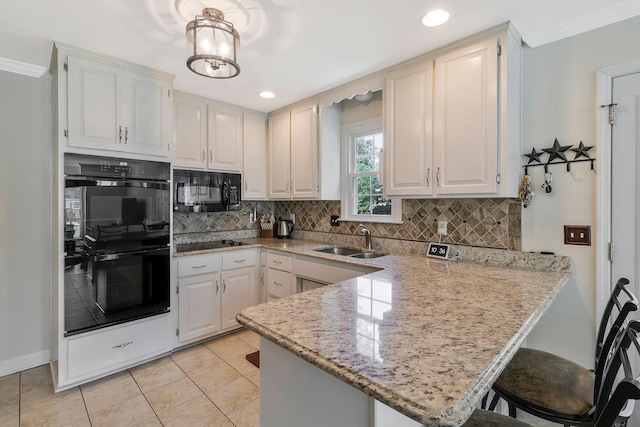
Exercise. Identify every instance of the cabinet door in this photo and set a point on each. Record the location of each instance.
(304, 152)
(199, 306)
(279, 155)
(190, 131)
(466, 120)
(238, 293)
(224, 139)
(95, 99)
(407, 131)
(147, 114)
(255, 152)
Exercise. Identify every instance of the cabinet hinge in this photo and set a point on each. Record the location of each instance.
(177, 332)
(498, 177)
(177, 290)
(65, 66)
(66, 133)
(169, 93)
(610, 252)
(499, 49)
(317, 188)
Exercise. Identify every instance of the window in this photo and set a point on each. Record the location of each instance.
(362, 193)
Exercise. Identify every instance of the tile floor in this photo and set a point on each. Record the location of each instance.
(210, 384)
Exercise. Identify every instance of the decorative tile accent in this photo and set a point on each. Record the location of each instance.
(219, 221)
(493, 223)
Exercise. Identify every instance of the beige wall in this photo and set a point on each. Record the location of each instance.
(355, 111)
(24, 220)
(559, 101)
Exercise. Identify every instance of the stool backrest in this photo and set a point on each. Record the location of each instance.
(608, 405)
(624, 302)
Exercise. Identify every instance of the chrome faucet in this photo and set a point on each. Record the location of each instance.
(367, 236)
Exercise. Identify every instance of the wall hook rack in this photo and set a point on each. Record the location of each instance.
(558, 151)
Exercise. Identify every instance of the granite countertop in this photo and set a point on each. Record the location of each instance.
(423, 336)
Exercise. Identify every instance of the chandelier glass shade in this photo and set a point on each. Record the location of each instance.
(212, 44)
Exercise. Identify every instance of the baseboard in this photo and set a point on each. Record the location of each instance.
(21, 363)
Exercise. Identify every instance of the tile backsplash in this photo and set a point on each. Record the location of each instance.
(493, 223)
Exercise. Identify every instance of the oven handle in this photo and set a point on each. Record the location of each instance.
(77, 181)
(125, 255)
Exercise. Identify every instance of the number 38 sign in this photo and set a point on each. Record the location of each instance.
(438, 250)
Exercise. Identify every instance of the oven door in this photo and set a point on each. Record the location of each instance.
(133, 282)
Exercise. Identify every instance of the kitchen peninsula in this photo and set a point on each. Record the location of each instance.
(424, 337)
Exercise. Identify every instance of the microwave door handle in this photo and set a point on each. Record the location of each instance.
(225, 195)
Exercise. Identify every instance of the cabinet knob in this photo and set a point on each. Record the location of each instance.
(126, 134)
(428, 175)
(203, 156)
(438, 176)
(119, 134)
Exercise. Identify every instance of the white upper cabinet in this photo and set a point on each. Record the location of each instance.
(407, 131)
(190, 131)
(466, 120)
(452, 124)
(293, 154)
(279, 155)
(304, 152)
(224, 139)
(207, 135)
(254, 172)
(113, 106)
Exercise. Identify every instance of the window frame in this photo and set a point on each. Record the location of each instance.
(349, 132)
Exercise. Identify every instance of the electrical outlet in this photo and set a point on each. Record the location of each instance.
(442, 228)
(577, 235)
(334, 221)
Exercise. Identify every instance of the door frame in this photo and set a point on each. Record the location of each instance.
(604, 92)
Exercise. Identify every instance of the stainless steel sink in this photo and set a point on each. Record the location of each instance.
(339, 250)
(367, 255)
(351, 252)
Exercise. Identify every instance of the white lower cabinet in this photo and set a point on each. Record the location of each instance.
(212, 290)
(92, 356)
(280, 282)
(238, 293)
(199, 306)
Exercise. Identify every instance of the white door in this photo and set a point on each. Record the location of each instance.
(147, 114)
(465, 124)
(199, 307)
(625, 137)
(190, 131)
(408, 135)
(624, 166)
(255, 153)
(304, 152)
(279, 156)
(95, 99)
(224, 139)
(238, 293)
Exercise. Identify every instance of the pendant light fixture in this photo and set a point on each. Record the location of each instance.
(212, 43)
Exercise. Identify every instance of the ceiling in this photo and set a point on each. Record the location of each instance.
(294, 48)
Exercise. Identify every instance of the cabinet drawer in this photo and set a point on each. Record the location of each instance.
(99, 352)
(278, 283)
(238, 259)
(279, 262)
(198, 264)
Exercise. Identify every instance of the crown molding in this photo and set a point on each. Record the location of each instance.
(583, 24)
(23, 68)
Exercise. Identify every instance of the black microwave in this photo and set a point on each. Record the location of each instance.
(199, 191)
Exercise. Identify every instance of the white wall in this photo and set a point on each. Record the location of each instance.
(24, 221)
(559, 101)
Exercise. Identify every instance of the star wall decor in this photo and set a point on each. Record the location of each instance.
(582, 151)
(534, 156)
(557, 151)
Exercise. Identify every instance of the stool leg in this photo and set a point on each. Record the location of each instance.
(512, 410)
(494, 402)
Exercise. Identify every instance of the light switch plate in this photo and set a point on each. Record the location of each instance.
(577, 235)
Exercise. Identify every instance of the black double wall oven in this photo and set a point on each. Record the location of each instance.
(116, 225)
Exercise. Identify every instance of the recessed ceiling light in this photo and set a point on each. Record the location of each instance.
(267, 94)
(435, 18)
